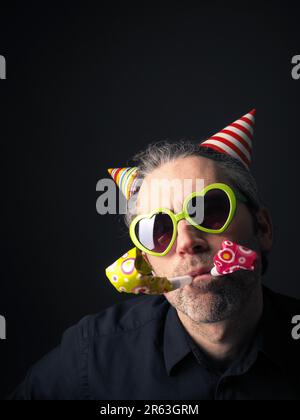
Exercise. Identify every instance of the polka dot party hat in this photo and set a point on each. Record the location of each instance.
(126, 179)
(235, 140)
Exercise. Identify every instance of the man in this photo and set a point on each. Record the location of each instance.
(221, 337)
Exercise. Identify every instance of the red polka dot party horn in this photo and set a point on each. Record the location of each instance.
(132, 274)
(233, 257)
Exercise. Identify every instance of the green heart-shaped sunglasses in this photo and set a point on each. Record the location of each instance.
(156, 232)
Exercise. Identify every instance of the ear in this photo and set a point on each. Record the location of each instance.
(265, 229)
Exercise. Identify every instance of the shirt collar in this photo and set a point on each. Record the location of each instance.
(273, 333)
(176, 344)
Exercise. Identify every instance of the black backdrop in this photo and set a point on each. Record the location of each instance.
(86, 88)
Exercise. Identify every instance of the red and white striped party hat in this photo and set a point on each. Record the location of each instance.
(126, 179)
(235, 140)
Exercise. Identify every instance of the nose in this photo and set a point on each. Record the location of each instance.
(190, 240)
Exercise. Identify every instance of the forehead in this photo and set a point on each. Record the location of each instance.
(168, 185)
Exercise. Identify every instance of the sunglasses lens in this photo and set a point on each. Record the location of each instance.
(155, 234)
(210, 211)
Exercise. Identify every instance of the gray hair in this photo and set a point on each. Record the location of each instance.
(159, 153)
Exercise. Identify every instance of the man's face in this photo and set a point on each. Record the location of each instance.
(216, 298)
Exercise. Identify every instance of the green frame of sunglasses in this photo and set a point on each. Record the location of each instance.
(233, 196)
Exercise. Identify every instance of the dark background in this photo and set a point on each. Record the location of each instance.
(87, 87)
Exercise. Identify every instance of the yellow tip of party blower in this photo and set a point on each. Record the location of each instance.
(132, 274)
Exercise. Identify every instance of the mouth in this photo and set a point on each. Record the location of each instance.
(201, 271)
(200, 275)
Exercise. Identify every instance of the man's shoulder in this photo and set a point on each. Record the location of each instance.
(63, 372)
(124, 316)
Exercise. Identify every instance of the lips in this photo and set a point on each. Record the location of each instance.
(200, 272)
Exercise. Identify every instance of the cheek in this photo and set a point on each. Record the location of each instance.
(215, 242)
(241, 228)
(160, 265)
(239, 231)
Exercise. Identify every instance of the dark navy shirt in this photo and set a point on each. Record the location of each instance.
(139, 350)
